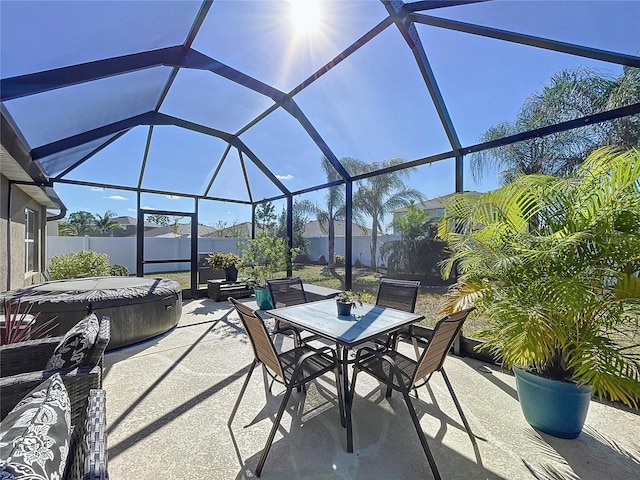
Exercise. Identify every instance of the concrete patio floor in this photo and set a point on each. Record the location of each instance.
(168, 401)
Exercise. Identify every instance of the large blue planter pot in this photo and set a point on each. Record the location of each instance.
(263, 298)
(552, 406)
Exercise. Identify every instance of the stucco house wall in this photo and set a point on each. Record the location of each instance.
(13, 202)
(23, 186)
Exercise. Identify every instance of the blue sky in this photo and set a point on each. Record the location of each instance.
(373, 106)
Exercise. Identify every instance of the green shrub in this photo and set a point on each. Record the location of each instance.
(223, 260)
(119, 271)
(79, 265)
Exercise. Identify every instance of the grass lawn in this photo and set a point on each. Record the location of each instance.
(428, 304)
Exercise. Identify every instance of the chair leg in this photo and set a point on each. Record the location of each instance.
(352, 390)
(242, 390)
(389, 391)
(459, 407)
(336, 372)
(423, 438)
(274, 429)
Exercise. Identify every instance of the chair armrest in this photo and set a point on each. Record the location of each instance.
(417, 338)
(28, 356)
(309, 355)
(292, 329)
(78, 382)
(96, 461)
(370, 352)
(87, 459)
(96, 356)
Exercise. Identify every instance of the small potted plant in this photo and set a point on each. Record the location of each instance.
(348, 299)
(226, 261)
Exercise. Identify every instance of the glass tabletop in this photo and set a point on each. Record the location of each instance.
(364, 323)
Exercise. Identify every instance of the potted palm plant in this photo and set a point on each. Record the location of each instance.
(226, 261)
(554, 264)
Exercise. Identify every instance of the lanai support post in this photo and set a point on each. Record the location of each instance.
(348, 234)
(289, 234)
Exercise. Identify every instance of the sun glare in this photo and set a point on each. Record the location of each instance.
(305, 15)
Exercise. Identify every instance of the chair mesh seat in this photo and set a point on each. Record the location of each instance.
(381, 369)
(315, 366)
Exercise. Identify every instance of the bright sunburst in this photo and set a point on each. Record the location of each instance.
(305, 15)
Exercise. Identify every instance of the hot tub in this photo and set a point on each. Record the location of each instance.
(140, 308)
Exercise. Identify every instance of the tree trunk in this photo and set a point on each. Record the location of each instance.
(374, 247)
(332, 245)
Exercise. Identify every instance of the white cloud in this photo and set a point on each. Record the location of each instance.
(116, 197)
(285, 177)
(97, 189)
(131, 209)
(173, 197)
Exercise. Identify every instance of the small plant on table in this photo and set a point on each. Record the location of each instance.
(348, 299)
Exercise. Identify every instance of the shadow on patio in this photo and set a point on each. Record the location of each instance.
(168, 401)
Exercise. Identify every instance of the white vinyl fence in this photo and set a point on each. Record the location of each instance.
(122, 250)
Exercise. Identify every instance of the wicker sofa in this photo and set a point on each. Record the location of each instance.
(22, 368)
(34, 434)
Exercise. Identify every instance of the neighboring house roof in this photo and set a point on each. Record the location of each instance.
(243, 228)
(434, 203)
(313, 229)
(125, 220)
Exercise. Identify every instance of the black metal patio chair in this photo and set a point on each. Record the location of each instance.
(401, 295)
(399, 372)
(294, 368)
(284, 293)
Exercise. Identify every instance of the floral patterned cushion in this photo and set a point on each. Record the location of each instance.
(73, 349)
(34, 436)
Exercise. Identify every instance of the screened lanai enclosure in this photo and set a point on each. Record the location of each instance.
(209, 109)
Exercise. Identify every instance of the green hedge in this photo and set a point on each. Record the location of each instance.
(79, 265)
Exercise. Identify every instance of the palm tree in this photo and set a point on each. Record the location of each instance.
(106, 223)
(570, 94)
(80, 223)
(625, 90)
(334, 206)
(380, 195)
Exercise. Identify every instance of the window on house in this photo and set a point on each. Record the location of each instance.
(31, 240)
(439, 212)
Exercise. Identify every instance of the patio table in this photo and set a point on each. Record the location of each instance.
(364, 324)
